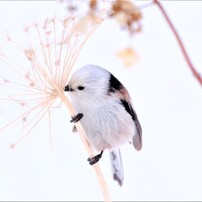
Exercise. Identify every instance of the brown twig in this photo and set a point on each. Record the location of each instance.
(196, 74)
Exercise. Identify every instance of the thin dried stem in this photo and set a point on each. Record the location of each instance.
(38, 116)
(89, 150)
(196, 74)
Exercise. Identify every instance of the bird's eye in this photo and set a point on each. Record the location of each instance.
(81, 87)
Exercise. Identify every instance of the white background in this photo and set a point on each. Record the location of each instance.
(167, 99)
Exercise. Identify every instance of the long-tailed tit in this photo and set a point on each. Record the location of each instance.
(106, 113)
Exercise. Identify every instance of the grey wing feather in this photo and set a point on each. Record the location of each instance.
(137, 138)
(115, 86)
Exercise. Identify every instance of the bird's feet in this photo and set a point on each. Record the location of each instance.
(95, 159)
(76, 118)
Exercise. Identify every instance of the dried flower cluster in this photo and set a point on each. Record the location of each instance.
(128, 56)
(41, 68)
(127, 14)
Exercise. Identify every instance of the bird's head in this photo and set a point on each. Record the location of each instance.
(89, 82)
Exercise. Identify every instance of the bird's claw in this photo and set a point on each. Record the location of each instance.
(76, 118)
(95, 159)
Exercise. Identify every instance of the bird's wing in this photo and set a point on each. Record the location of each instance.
(118, 90)
(137, 138)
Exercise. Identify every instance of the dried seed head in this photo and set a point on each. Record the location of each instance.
(128, 56)
(40, 68)
(93, 4)
(127, 14)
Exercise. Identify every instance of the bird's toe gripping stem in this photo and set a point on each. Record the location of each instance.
(76, 118)
(95, 159)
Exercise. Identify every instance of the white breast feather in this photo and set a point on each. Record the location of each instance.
(106, 123)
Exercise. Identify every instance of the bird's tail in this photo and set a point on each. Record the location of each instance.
(117, 166)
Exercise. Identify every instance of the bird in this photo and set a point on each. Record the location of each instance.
(104, 108)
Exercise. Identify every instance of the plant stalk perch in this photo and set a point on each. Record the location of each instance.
(89, 150)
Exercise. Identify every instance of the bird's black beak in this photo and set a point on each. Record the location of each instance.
(68, 88)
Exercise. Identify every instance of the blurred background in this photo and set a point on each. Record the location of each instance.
(166, 97)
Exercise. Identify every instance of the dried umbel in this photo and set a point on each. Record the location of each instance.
(39, 70)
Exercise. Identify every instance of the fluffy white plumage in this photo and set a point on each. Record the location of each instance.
(108, 116)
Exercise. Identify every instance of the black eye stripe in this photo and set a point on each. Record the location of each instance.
(81, 87)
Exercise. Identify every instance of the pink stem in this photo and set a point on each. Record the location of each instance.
(179, 40)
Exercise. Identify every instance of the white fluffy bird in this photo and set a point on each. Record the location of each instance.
(105, 111)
